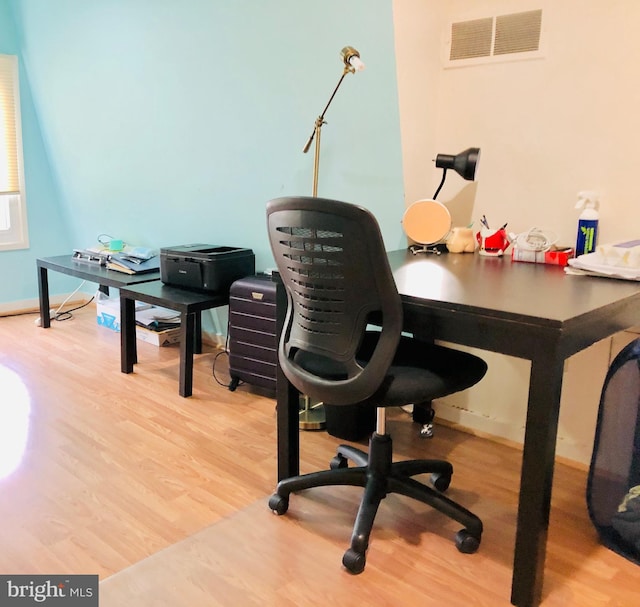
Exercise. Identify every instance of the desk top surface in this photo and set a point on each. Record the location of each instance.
(94, 272)
(174, 298)
(502, 288)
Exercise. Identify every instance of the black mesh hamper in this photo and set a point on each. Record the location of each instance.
(613, 486)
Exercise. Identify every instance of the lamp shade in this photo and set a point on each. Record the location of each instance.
(465, 163)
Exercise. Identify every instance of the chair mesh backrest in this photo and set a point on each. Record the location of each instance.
(332, 261)
(615, 463)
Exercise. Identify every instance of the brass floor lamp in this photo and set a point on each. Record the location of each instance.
(312, 415)
(352, 63)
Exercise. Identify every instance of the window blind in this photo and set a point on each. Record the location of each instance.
(9, 168)
(14, 233)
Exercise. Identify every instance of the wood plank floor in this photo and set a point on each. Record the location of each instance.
(165, 497)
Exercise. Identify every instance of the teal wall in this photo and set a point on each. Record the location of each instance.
(49, 231)
(169, 122)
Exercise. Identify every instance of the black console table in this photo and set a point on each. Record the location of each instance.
(189, 303)
(104, 277)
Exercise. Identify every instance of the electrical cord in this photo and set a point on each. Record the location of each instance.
(444, 176)
(224, 352)
(219, 382)
(535, 239)
(66, 315)
(59, 315)
(104, 240)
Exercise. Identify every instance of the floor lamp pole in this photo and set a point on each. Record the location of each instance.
(312, 417)
(316, 156)
(317, 128)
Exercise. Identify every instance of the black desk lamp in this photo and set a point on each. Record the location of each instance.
(465, 164)
(428, 222)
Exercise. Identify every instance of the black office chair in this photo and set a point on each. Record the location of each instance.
(342, 344)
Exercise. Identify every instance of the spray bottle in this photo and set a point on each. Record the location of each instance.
(587, 222)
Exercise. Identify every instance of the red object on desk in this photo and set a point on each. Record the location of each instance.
(554, 257)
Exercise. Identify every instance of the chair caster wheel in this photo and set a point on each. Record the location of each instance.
(426, 431)
(354, 561)
(339, 461)
(278, 504)
(467, 543)
(440, 481)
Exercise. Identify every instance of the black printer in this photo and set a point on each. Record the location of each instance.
(205, 267)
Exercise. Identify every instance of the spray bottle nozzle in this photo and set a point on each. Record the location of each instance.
(587, 199)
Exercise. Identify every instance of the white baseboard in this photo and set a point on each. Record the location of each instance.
(215, 340)
(27, 306)
(570, 450)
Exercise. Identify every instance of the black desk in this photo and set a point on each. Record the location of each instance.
(65, 264)
(530, 311)
(189, 303)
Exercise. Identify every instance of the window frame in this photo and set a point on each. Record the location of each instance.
(14, 204)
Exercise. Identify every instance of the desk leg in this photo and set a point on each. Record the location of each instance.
(128, 348)
(288, 405)
(536, 479)
(43, 292)
(197, 331)
(187, 339)
(288, 420)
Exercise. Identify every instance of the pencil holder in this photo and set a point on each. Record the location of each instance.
(493, 243)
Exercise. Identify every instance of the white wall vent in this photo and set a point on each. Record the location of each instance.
(497, 38)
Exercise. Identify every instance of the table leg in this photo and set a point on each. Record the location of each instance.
(197, 333)
(288, 420)
(43, 293)
(128, 348)
(187, 339)
(536, 479)
(288, 405)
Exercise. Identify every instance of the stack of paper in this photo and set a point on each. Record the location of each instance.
(620, 260)
(156, 318)
(131, 265)
(625, 254)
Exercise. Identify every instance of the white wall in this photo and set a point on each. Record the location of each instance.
(547, 129)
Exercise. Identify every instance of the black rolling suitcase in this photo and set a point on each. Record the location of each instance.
(252, 332)
(613, 486)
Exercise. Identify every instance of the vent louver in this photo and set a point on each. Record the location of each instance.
(482, 39)
(471, 39)
(518, 33)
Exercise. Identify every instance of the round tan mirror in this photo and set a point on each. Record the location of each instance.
(426, 222)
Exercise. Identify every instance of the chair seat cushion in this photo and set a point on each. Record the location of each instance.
(421, 371)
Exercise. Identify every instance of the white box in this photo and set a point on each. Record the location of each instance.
(108, 315)
(159, 338)
(108, 311)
